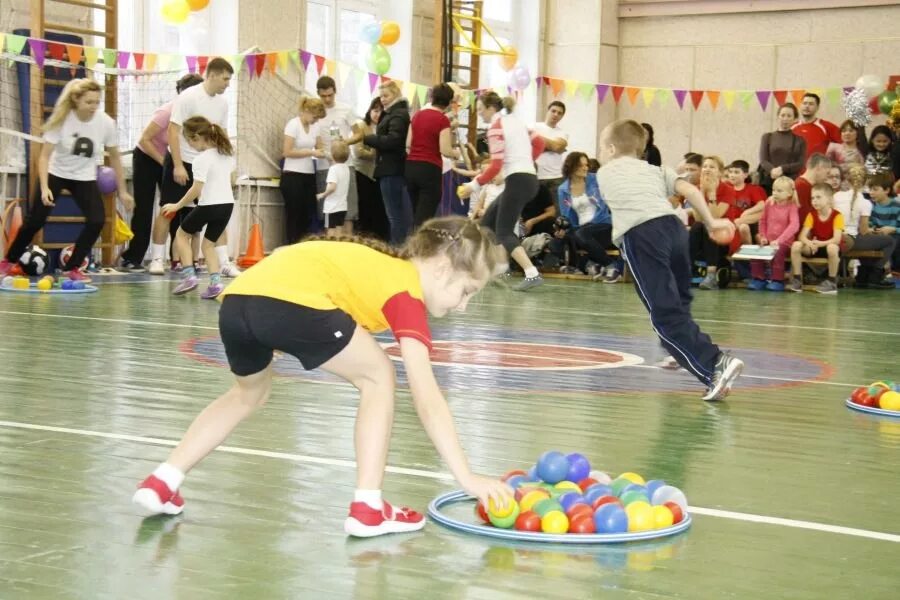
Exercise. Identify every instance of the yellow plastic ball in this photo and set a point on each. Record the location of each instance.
(890, 401)
(21, 283)
(461, 190)
(640, 516)
(662, 517)
(45, 284)
(501, 511)
(555, 522)
(568, 485)
(531, 498)
(633, 478)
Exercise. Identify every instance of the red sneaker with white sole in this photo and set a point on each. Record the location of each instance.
(365, 521)
(155, 498)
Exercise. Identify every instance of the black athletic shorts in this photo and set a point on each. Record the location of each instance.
(214, 216)
(171, 192)
(252, 327)
(335, 219)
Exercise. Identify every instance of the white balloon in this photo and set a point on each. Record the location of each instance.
(872, 84)
(600, 477)
(669, 493)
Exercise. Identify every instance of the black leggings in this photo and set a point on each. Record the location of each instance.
(423, 184)
(372, 219)
(148, 176)
(705, 249)
(503, 214)
(300, 205)
(595, 238)
(87, 198)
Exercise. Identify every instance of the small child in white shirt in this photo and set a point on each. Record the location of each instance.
(488, 194)
(338, 185)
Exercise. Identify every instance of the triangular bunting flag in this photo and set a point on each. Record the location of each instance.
(662, 96)
(647, 95)
(2, 36)
(15, 44)
(617, 92)
(304, 57)
(763, 97)
(680, 95)
(556, 85)
(409, 90)
(797, 96)
(320, 63)
(780, 96)
(138, 61)
(250, 59)
(109, 58)
(237, 63)
(817, 91)
(149, 60)
(728, 96)
(745, 97)
(202, 62)
(294, 55)
(260, 64)
(833, 95)
(571, 86)
(330, 67)
(713, 96)
(38, 51)
(122, 59)
(57, 51)
(90, 56)
(586, 90)
(602, 90)
(271, 62)
(74, 52)
(283, 61)
(696, 98)
(373, 82)
(343, 70)
(632, 93)
(538, 82)
(191, 63)
(422, 94)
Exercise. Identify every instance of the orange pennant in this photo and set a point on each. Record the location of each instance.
(75, 53)
(271, 62)
(797, 96)
(713, 96)
(632, 94)
(556, 85)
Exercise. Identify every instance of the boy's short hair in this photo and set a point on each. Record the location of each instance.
(628, 136)
(557, 103)
(219, 65)
(693, 158)
(817, 159)
(340, 151)
(743, 165)
(325, 83)
(882, 180)
(824, 188)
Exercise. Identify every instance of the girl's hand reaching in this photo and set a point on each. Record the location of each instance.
(486, 489)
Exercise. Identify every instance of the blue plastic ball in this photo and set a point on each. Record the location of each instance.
(653, 485)
(634, 487)
(532, 474)
(552, 466)
(77, 285)
(516, 480)
(570, 499)
(610, 518)
(579, 467)
(595, 491)
(67, 284)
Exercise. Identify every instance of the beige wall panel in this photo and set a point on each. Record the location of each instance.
(656, 66)
(715, 29)
(273, 27)
(854, 23)
(734, 67)
(572, 22)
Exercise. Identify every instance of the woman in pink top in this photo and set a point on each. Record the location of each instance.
(147, 168)
(778, 226)
(428, 138)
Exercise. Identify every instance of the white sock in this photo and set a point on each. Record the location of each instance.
(171, 476)
(370, 497)
(531, 272)
(222, 254)
(158, 252)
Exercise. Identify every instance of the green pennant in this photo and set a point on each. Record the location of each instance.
(422, 93)
(109, 58)
(662, 96)
(586, 90)
(833, 96)
(15, 43)
(295, 57)
(745, 97)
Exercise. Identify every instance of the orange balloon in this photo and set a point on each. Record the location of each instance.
(198, 4)
(390, 33)
(509, 59)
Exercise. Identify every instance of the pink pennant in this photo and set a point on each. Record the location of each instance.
(304, 58)
(373, 81)
(191, 63)
(38, 50)
(122, 59)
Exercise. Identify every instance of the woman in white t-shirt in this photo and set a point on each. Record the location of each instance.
(856, 210)
(303, 144)
(212, 170)
(75, 136)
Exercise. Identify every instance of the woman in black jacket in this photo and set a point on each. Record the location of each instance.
(389, 142)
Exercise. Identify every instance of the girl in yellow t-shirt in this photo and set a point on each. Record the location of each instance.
(321, 301)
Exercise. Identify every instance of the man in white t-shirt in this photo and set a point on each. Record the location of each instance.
(337, 124)
(556, 141)
(204, 100)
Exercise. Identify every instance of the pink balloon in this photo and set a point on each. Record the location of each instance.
(519, 78)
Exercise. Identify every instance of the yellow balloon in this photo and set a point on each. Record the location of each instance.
(175, 12)
(640, 516)
(509, 58)
(390, 33)
(197, 4)
(633, 478)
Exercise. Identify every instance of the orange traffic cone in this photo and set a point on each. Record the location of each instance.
(255, 251)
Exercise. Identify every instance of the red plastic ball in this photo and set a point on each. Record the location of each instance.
(577, 510)
(513, 473)
(677, 513)
(481, 512)
(587, 482)
(605, 500)
(528, 521)
(582, 524)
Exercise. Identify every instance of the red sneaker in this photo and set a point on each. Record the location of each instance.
(365, 521)
(155, 498)
(77, 275)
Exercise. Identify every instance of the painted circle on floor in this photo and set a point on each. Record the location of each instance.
(484, 359)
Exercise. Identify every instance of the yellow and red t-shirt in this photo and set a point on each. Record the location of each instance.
(823, 229)
(378, 291)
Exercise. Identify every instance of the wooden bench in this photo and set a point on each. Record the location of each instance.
(845, 258)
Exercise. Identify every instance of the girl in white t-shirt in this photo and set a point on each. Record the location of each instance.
(75, 136)
(213, 169)
(302, 145)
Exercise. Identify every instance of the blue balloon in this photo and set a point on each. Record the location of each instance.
(569, 499)
(552, 466)
(610, 518)
(579, 467)
(516, 481)
(653, 485)
(371, 33)
(595, 491)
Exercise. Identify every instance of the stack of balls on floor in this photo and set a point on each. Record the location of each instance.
(881, 394)
(44, 284)
(561, 494)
